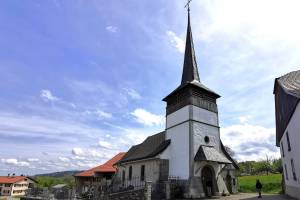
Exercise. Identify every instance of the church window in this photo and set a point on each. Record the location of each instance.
(293, 170)
(233, 181)
(288, 141)
(286, 172)
(142, 172)
(282, 149)
(206, 139)
(123, 175)
(130, 173)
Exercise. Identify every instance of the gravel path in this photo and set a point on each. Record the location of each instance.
(252, 196)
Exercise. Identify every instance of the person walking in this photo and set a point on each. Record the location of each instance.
(258, 188)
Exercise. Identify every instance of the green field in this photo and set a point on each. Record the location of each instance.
(271, 183)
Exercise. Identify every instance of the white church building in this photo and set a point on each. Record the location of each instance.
(190, 147)
(287, 107)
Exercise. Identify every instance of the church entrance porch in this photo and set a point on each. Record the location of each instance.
(229, 183)
(208, 181)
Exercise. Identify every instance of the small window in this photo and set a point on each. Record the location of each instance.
(206, 139)
(288, 141)
(130, 173)
(143, 173)
(293, 170)
(286, 173)
(123, 175)
(282, 149)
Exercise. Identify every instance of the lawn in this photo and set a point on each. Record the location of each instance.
(271, 183)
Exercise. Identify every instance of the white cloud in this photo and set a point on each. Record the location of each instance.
(176, 41)
(132, 93)
(98, 114)
(77, 151)
(47, 95)
(63, 159)
(105, 144)
(250, 142)
(112, 29)
(254, 19)
(244, 119)
(15, 162)
(101, 114)
(33, 159)
(146, 118)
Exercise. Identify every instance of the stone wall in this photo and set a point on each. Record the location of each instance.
(137, 194)
(152, 169)
(133, 195)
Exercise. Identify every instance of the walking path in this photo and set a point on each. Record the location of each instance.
(253, 196)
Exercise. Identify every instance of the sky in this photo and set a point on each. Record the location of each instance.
(83, 80)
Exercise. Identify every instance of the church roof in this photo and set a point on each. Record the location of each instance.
(195, 84)
(209, 153)
(190, 74)
(152, 146)
(190, 69)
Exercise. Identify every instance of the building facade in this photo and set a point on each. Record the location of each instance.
(190, 148)
(15, 185)
(287, 108)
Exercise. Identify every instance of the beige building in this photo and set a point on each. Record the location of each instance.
(15, 185)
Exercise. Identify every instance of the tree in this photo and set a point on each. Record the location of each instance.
(277, 165)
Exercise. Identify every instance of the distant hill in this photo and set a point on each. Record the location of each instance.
(59, 174)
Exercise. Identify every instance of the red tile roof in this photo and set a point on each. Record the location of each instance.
(11, 179)
(104, 168)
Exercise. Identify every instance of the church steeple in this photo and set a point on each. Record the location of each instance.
(190, 69)
(191, 91)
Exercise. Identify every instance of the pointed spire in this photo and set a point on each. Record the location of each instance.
(190, 69)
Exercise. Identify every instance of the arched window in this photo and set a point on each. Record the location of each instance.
(142, 172)
(130, 173)
(123, 175)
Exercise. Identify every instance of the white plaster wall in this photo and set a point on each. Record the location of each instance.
(205, 116)
(151, 170)
(165, 154)
(200, 131)
(178, 117)
(293, 129)
(178, 154)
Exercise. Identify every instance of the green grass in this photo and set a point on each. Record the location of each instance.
(271, 183)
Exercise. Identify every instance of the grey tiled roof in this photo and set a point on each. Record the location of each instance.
(152, 146)
(190, 69)
(209, 153)
(190, 74)
(291, 83)
(193, 83)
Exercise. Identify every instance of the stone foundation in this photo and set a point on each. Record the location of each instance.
(292, 191)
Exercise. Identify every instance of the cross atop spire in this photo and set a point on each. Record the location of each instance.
(188, 5)
(190, 69)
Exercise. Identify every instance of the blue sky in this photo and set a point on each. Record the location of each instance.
(83, 80)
